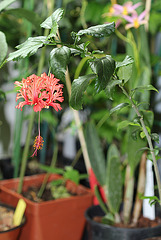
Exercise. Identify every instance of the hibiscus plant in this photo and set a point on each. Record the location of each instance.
(106, 74)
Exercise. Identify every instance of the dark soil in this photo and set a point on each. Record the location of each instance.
(32, 193)
(142, 222)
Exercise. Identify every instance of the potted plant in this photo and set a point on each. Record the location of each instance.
(11, 221)
(57, 217)
(41, 92)
(106, 74)
(111, 75)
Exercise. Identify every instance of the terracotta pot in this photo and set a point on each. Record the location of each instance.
(99, 231)
(13, 233)
(55, 219)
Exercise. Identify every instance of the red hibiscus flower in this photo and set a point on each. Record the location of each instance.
(40, 92)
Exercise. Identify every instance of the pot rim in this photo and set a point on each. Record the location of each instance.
(103, 225)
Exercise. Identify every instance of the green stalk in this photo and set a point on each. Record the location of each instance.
(156, 170)
(53, 163)
(25, 152)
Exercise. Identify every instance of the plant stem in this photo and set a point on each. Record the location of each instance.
(53, 162)
(140, 189)
(128, 195)
(148, 139)
(25, 152)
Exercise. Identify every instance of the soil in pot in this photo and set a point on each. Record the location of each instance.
(7, 229)
(51, 192)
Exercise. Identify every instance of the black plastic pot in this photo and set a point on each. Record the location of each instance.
(99, 231)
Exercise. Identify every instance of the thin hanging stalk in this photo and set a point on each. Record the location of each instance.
(149, 140)
(53, 163)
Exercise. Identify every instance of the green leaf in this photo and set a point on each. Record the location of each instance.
(123, 124)
(31, 16)
(78, 87)
(137, 143)
(99, 198)
(28, 48)
(146, 87)
(55, 17)
(114, 179)
(5, 4)
(2, 95)
(96, 154)
(3, 47)
(118, 107)
(110, 86)
(71, 174)
(155, 137)
(128, 60)
(104, 30)
(50, 169)
(59, 59)
(104, 68)
(124, 73)
(108, 219)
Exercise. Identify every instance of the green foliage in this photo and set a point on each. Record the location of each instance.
(78, 88)
(101, 203)
(54, 18)
(104, 30)
(119, 107)
(31, 16)
(136, 141)
(28, 48)
(68, 173)
(59, 59)
(3, 47)
(5, 3)
(96, 154)
(114, 179)
(104, 68)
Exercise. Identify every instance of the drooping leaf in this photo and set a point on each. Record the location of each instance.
(118, 107)
(114, 179)
(95, 153)
(5, 3)
(78, 87)
(55, 17)
(104, 30)
(31, 16)
(28, 48)
(100, 200)
(110, 87)
(3, 47)
(59, 59)
(128, 60)
(143, 88)
(104, 68)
